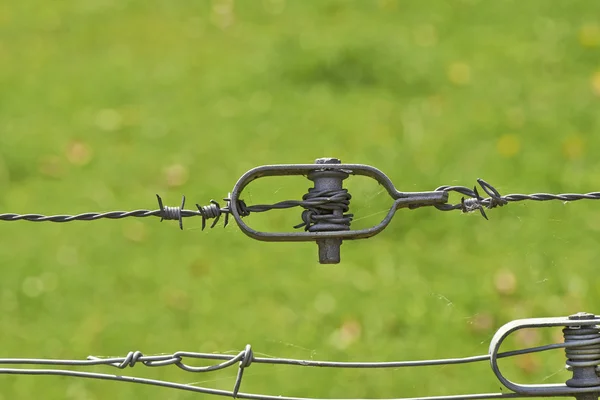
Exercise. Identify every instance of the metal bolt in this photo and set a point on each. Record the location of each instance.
(329, 249)
(582, 316)
(328, 160)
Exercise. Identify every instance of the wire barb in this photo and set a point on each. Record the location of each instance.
(214, 210)
(171, 212)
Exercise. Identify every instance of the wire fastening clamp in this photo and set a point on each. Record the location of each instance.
(582, 348)
(325, 218)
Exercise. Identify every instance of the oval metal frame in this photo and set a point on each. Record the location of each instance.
(536, 390)
(402, 199)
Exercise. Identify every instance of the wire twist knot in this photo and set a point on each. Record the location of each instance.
(247, 356)
(471, 200)
(325, 210)
(131, 359)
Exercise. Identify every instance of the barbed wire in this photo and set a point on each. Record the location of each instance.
(245, 359)
(325, 212)
(475, 202)
(318, 205)
(326, 199)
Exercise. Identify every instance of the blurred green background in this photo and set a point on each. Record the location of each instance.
(105, 103)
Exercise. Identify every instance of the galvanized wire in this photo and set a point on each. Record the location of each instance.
(243, 359)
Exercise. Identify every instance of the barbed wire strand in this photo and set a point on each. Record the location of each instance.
(323, 199)
(474, 202)
(244, 359)
(314, 203)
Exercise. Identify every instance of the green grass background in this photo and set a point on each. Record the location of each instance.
(104, 103)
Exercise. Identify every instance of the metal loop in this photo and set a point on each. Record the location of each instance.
(584, 341)
(247, 356)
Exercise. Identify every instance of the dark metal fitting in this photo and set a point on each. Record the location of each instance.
(582, 346)
(328, 230)
(329, 180)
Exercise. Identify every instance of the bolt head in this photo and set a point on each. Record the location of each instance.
(328, 160)
(582, 316)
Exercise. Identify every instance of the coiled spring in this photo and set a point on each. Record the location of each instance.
(587, 355)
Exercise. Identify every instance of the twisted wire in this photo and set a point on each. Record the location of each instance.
(323, 209)
(472, 201)
(245, 359)
(318, 205)
(211, 211)
(165, 213)
(326, 208)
